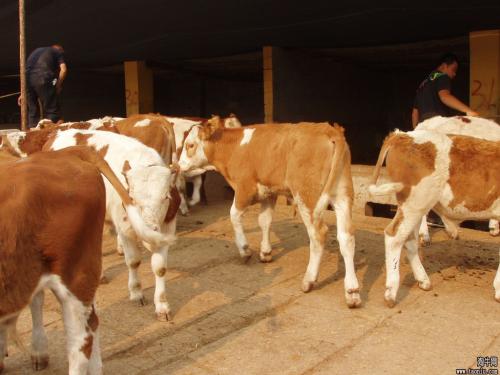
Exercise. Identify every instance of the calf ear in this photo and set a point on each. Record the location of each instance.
(215, 122)
(205, 132)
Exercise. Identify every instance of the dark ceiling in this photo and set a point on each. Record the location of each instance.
(106, 32)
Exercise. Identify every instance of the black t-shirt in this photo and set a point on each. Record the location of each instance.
(427, 99)
(44, 63)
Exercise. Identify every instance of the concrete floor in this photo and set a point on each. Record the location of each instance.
(234, 318)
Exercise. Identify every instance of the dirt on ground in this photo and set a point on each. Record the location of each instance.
(235, 318)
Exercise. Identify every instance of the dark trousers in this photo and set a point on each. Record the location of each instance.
(45, 91)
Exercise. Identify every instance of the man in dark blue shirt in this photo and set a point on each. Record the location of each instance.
(45, 73)
(434, 96)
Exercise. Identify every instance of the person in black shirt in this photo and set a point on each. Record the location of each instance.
(45, 73)
(434, 96)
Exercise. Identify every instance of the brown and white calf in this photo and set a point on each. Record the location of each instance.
(460, 125)
(309, 162)
(51, 219)
(456, 176)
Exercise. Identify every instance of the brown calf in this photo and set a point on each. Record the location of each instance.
(308, 162)
(51, 221)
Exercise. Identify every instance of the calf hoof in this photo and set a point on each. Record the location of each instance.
(390, 300)
(163, 316)
(265, 258)
(425, 241)
(193, 202)
(497, 296)
(307, 286)
(139, 300)
(245, 253)
(352, 298)
(425, 285)
(39, 361)
(245, 258)
(494, 231)
(119, 250)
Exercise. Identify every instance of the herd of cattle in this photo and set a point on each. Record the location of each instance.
(54, 203)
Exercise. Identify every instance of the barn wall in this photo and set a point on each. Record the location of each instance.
(368, 102)
(85, 95)
(89, 95)
(202, 96)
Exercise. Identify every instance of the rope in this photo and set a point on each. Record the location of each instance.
(9, 95)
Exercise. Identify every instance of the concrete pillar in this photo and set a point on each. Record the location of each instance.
(138, 87)
(267, 53)
(485, 73)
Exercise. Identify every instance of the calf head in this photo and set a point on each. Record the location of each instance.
(150, 188)
(193, 160)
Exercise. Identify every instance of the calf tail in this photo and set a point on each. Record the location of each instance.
(140, 227)
(388, 188)
(385, 189)
(337, 161)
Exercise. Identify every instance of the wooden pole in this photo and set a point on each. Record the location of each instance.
(267, 53)
(22, 67)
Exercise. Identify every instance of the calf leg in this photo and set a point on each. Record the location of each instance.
(119, 246)
(317, 232)
(494, 227)
(265, 219)
(345, 236)
(496, 282)
(416, 265)
(195, 198)
(424, 236)
(237, 210)
(133, 261)
(396, 235)
(39, 352)
(181, 187)
(451, 227)
(3, 345)
(81, 323)
(95, 362)
(159, 267)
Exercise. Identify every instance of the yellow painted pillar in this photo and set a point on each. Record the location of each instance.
(138, 87)
(485, 73)
(267, 53)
